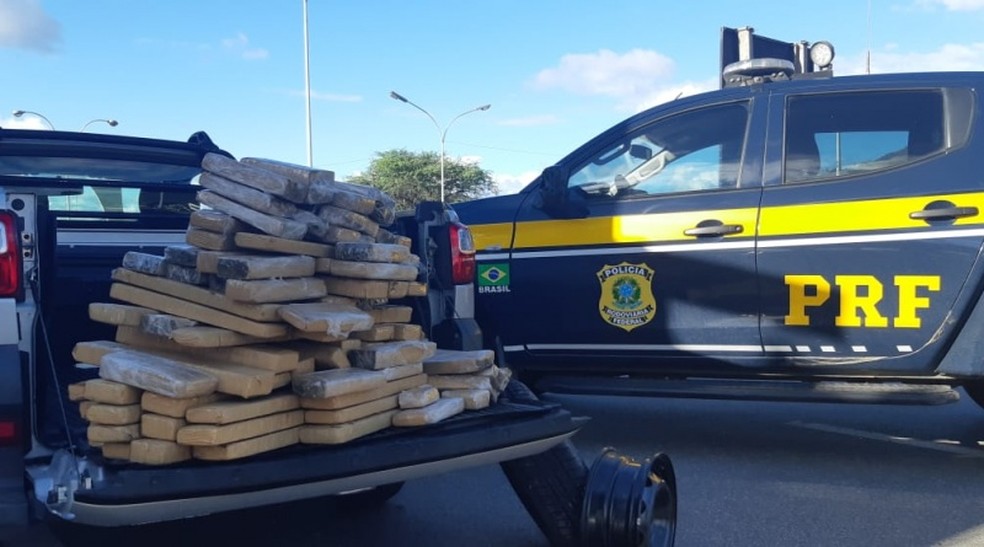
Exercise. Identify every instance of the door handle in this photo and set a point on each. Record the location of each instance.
(717, 229)
(944, 213)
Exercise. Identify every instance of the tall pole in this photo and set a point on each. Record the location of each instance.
(444, 134)
(307, 86)
(442, 131)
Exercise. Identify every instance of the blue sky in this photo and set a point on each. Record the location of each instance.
(555, 72)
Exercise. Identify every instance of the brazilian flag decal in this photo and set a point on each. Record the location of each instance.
(493, 278)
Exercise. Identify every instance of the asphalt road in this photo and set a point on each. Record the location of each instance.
(748, 473)
(796, 474)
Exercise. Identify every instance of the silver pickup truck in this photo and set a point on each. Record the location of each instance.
(72, 204)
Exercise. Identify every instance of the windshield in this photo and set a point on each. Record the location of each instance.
(696, 150)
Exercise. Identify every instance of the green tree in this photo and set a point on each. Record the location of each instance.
(412, 177)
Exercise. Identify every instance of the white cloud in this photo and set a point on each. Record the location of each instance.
(25, 25)
(948, 57)
(607, 73)
(954, 5)
(510, 184)
(638, 79)
(24, 122)
(530, 121)
(239, 45)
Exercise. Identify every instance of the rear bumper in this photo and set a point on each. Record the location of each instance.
(128, 494)
(13, 504)
(13, 507)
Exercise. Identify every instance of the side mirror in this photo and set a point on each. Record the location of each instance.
(553, 188)
(555, 198)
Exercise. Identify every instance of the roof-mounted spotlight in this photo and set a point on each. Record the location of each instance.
(822, 54)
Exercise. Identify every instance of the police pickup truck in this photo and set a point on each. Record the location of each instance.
(816, 238)
(72, 204)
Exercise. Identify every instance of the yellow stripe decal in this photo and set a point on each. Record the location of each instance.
(861, 216)
(787, 220)
(492, 237)
(626, 229)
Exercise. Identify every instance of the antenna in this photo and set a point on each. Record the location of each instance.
(867, 61)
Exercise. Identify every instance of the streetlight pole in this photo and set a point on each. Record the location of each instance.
(442, 131)
(307, 86)
(19, 113)
(111, 123)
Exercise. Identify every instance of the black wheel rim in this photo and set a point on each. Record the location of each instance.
(628, 504)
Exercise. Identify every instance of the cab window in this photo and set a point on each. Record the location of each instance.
(694, 151)
(845, 134)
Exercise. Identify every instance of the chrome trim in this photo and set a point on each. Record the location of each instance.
(119, 237)
(844, 240)
(696, 348)
(708, 349)
(464, 301)
(483, 257)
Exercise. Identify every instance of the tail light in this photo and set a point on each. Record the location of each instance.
(8, 433)
(462, 254)
(10, 261)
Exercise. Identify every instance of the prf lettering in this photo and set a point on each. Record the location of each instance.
(859, 299)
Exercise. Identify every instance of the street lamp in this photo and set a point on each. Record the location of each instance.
(444, 131)
(111, 123)
(19, 113)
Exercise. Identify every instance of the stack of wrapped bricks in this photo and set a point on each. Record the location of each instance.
(272, 326)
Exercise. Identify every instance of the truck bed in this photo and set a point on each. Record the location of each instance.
(102, 196)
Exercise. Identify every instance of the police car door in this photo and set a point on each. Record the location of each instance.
(870, 225)
(651, 255)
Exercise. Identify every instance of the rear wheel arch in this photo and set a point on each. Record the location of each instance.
(527, 377)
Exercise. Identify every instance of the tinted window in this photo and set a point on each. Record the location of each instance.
(696, 150)
(107, 207)
(843, 134)
(115, 199)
